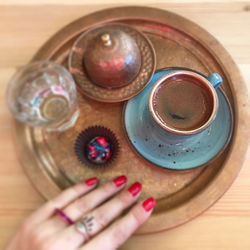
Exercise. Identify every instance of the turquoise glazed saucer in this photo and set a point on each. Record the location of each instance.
(174, 151)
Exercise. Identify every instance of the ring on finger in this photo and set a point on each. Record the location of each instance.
(64, 216)
(84, 226)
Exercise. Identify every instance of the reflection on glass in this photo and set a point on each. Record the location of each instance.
(43, 94)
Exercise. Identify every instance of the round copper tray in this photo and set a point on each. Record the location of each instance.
(49, 158)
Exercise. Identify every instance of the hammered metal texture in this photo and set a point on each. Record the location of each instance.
(120, 94)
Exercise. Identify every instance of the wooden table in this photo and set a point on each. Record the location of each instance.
(25, 25)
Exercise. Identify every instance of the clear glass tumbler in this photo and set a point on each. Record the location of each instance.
(43, 94)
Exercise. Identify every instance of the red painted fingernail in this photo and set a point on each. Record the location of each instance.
(135, 188)
(91, 181)
(120, 180)
(149, 204)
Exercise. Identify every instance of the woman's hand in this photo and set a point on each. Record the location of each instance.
(81, 216)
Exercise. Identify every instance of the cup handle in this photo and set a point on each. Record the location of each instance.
(215, 79)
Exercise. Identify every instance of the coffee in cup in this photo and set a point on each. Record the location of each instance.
(184, 102)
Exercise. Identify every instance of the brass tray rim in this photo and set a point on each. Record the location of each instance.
(240, 139)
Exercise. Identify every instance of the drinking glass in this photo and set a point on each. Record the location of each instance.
(43, 94)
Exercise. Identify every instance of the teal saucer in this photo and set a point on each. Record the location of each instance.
(172, 151)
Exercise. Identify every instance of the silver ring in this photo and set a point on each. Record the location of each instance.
(84, 226)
